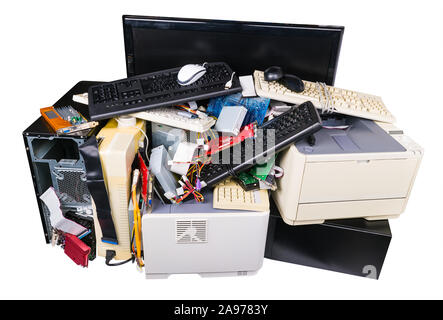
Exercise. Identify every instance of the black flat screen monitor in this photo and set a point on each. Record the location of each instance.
(155, 43)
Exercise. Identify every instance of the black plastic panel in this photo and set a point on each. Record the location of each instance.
(353, 246)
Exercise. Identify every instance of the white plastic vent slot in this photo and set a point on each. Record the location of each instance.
(191, 231)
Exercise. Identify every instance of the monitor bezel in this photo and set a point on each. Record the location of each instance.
(130, 21)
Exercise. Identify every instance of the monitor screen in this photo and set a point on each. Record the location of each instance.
(156, 43)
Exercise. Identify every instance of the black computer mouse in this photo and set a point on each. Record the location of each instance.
(293, 83)
(273, 73)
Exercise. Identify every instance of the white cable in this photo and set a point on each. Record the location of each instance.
(322, 85)
(147, 142)
(135, 177)
(228, 84)
(327, 106)
(278, 172)
(318, 88)
(326, 96)
(330, 103)
(125, 124)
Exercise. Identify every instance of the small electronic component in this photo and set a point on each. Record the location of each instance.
(144, 175)
(183, 157)
(76, 119)
(136, 231)
(169, 137)
(70, 114)
(248, 182)
(65, 120)
(256, 106)
(247, 84)
(225, 142)
(269, 183)
(57, 219)
(87, 237)
(187, 188)
(158, 165)
(262, 171)
(79, 127)
(77, 250)
(231, 119)
(150, 188)
(265, 174)
(54, 119)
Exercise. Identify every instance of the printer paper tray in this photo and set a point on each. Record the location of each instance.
(351, 209)
(357, 180)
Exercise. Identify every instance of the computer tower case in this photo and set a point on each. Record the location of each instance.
(352, 246)
(55, 161)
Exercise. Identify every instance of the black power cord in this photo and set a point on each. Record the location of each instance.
(110, 254)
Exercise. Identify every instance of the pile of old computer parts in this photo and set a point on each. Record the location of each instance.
(207, 167)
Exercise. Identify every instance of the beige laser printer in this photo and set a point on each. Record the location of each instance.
(355, 168)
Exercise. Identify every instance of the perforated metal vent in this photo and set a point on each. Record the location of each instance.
(191, 231)
(72, 186)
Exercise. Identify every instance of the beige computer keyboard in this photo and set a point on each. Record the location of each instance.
(329, 99)
(171, 117)
(230, 195)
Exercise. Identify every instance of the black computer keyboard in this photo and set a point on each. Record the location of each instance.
(293, 125)
(158, 89)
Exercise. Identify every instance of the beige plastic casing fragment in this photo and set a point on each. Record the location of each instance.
(373, 186)
(229, 194)
(117, 152)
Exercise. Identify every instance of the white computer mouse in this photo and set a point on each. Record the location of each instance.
(190, 73)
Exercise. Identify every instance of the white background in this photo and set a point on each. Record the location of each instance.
(390, 48)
